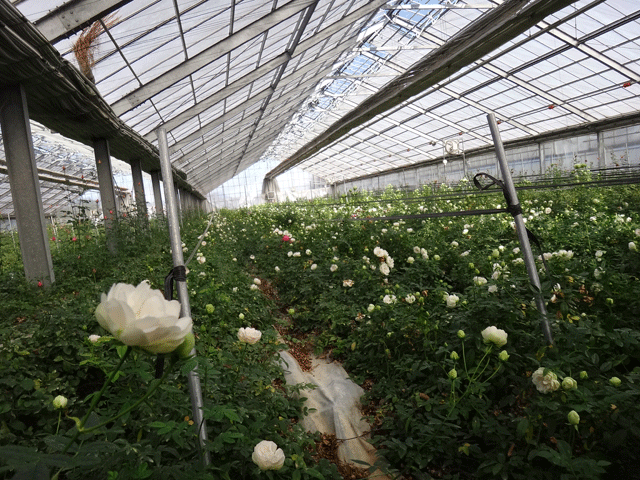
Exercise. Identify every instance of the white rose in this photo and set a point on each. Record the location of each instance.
(479, 281)
(494, 335)
(268, 456)
(141, 317)
(94, 338)
(257, 281)
(545, 383)
(410, 260)
(314, 266)
(249, 335)
(60, 402)
(333, 267)
(492, 288)
(384, 269)
(452, 300)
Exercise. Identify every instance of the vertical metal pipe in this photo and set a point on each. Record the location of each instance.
(195, 389)
(520, 228)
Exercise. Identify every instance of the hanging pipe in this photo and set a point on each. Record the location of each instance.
(514, 206)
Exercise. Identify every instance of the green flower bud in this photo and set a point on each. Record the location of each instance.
(615, 381)
(60, 401)
(353, 346)
(573, 417)
(461, 334)
(185, 348)
(291, 311)
(503, 355)
(569, 383)
(609, 301)
(241, 316)
(454, 356)
(584, 375)
(453, 374)
(210, 308)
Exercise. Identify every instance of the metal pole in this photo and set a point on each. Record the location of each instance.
(183, 294)
(520, 228)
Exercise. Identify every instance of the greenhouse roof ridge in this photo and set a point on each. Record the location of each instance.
(62, 99)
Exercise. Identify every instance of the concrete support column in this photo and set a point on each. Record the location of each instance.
(602, 151)
(138, 189)
(541, 152)
(157, 195)
(25, 186)
(107, 192)
(179, 201)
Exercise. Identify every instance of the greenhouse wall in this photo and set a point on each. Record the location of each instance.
(608, 149)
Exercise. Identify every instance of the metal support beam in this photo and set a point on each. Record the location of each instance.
(157, 195)
(193, 378)
(107, 193)
(529, 262)
(73, 16)
(138, 189)
(24, 185)
(209, 55)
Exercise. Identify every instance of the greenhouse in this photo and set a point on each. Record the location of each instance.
(319, 239)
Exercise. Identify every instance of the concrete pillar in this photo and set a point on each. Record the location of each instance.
(138, 189)
(179, 201)
(157, 195)
(107, 192)
(602, 151)
(541, 152)
(25, 186)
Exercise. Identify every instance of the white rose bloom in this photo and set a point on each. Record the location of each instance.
(333, 267)
(479, 281)
(417, 249)
(454, 244)
(494, 335)
(141, 317)
(633, 247)
(201, 259)
(257, 281)
(410, 298)
(371, 308)
(410, 260)
(389, 299)
(314, 266)
(307, 251)
(249, 335)
(268, 456)
(492, 288)
(390, 262)
(253, 287)
(452, 300)
(465, 253)
(384, 269)
(545, 383)
(296, 254)
(378, 252)
(277, 268)
(289, 253)
(60, 401)
(94, 338)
